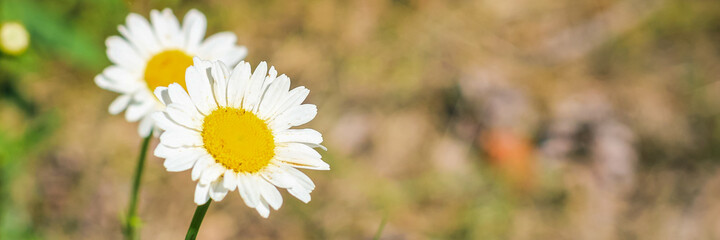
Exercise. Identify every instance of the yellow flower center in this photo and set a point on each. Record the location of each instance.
(238, 140)
(167, 67)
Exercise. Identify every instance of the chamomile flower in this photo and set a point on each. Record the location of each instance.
(154, 54)
(232, 128)
(14, 38)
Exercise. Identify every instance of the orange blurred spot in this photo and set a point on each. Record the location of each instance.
(512, 155)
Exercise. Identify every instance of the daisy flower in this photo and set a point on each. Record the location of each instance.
(156, 53)
(232, 128)
(14, 38)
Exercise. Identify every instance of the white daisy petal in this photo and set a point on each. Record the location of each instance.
(243, 191)
(212, 173)
(263, 208)
(163, 151)
(225, 71)
(294, 117)
(122, 54)
(253, 92)
(198, 85)
(184, 161)
(180, 96)
(220, 76)
(293, 99)
(136, 111)
(122, 79)
(247, 186)
(255, 193)
(300, 156)
(202, 193)
(177, 152)
(141, 50)
(272, 97)
(202, 163)
(119, 104)
(217, 44)
(218, 191)
(166, 27)
(183, 118)
(312, 145)
(163, 121)
(277, 176)
(298, 150)
(146, 124)
(300, 193)
(300, 178)
(193, 29)
(232, 55)
(161, 93)
(107, 83)
(181, 138)
(143, 34)
(230, 179)
(124, 76)
(306, 163)
(239, 79)
(300, 136)
(172, 23)
(157, 21)
(270, 194)
(272, 74)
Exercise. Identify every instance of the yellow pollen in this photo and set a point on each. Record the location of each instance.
(238, 140)
(167, 67)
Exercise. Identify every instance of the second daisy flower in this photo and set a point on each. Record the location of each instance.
(148, 56)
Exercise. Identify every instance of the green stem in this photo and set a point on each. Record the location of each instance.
(132, 220)
(197, 220)
(378, 234)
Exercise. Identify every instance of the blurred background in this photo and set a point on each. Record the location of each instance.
(524, 119)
